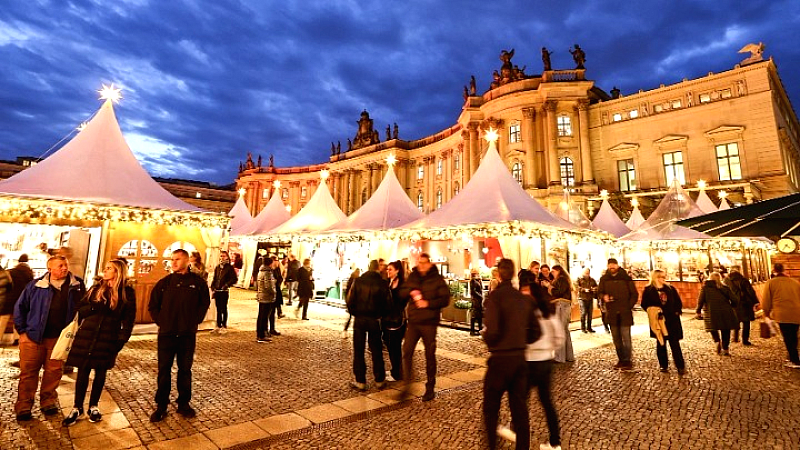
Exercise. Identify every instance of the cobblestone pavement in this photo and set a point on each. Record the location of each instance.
(748, 400)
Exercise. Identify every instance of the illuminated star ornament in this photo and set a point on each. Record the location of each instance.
(323, 174)
(490, 135)
(110, 93)
(242, 191)
(391, 160)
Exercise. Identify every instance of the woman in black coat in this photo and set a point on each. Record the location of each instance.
(716, 302)
(305, 287)
(394, 323)
(745, 307)
(659, 294)
(107, 313)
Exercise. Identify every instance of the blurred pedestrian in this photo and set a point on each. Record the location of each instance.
(561, 292)
(224, 279)
(292, 266)
(394, 322)
(587, 292)
(277, 274)
(368, 302)
(746, 305)
(665, 322)
(353, 277)
(619, 295)
(716, 306)
(21, 275)
(781, 303)
(476, 296)
(305, 288)
(265, 284)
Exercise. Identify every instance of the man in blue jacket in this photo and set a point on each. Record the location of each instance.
(45, 307)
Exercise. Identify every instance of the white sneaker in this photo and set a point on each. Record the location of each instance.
(215, 330)
(297, 313)
(547, 446)
(223, 330)
(792, 365)
(506, 433)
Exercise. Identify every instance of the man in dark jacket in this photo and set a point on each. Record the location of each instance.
(618, 293)
(292, 267)
(224, 278)
(429, 294)
(178, 304)
(367, 302)
(510, 325)
(45, 308)
(587, 290)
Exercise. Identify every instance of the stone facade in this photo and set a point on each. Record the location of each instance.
(736, 130)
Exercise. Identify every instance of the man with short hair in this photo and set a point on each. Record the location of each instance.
(224, 278)
(619, 295)
(292, 266)
(428, 294)
(780, 302)
(587, 289)
(43, 310)
(367, 302)
(510, 324)
(178, 304)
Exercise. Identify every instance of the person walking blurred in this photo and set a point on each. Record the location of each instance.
(745, 307)
(561, 292)
(292, 266)
(665, 325)
(476, 310)
(781, 303)
(619, 295)
(21, 275)
(305, 288)
(716, 306)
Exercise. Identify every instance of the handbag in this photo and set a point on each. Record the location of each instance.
(65, 340)
(768, 328)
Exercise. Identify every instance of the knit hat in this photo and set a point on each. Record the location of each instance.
(23, 258)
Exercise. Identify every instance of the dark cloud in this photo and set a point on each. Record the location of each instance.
(206, 82)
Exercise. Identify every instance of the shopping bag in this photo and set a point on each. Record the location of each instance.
(64, 342)
(768, 328)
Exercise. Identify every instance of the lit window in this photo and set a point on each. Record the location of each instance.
(438, 199)
(675, 104)
(616, 117)
(658, 108)
(198, 195)
(420, 200)
(627, 175)
(514, 133)
(728, 162)
(564, 126)
(265, 193)
(456, 189)
(705, 98)
(285, 193)
(673, 167)
(420, 172)
(303, 191)
(633, 113)
(567, 172)
(725, 93)
(439, 166)
(516, 172)
(457, 161)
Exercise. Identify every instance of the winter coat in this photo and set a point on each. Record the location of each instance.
(509, 321)
(33, 306)
(369, 297)
(396, 314)
(587, 288)
(561, 289)
(291, 270)
(476, 294)
(265, 283)
(781, 299)
(552, 338)
(21, 275)
(305, 282)
(745, 294)
(434, 289)
(178, 303)
(224, 277)
(103, 331)
(670, 304)
(6, 288)
(718, 312)
(621, 289)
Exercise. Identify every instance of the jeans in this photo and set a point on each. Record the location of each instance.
(540, 375)
(367, 329)
(621, 335)
(677, 354)
(221, 302)
(302, 302)
(726, 337)
(415, 332)
(789, 333)
(745, 332)
(291, 289)
(587, 310)
(564, 353)
(171, 347)
(266, 311)
(32, 358)
(82, 384)
(507, 373)
(394, 346)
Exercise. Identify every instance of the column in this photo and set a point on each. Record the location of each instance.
(554, 171)
(447, 175)
(348, 180)
(530, 170)
(474, 151)
(371, 180)
(354, 184)
(587, 171)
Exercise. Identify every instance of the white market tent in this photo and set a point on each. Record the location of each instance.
(319, 214)
(636, 219)
(675, 205)
(388, 207)
(96, 166)
(704, 203)
(272, 215)
(240, 217)
(608, 220)
(723, 204)
(572, 213)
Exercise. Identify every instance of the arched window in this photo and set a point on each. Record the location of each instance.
(564, 125)
(516, 171)
(167, 255)
(303, 191)
(457, 161)
(567, 171)
(439, 198)
(439, 166)
(456, 188)
(514, 132)
(420, 200)
(420, 172)
(141, 257)
(285, 193)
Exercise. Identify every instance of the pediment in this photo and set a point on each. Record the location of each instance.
(624, 147)
(671, 139)
(725, 132)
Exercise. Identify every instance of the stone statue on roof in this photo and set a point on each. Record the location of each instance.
(366, 135)
(579, 56)
(388, 132)
(395, 130)
(249, 163)
(507, 69)
(473, 87)
(756, 52)
(258, 164)
(271, 160)
(546, 59)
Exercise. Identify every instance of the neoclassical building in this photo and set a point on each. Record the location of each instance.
(736, 130)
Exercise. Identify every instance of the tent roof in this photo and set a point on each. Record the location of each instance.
(608, 220)
(636, 219)
(241, 216)
(704, 203)
(492, 195)
(572, 213)
(775, 217)
(272, 215)
(675, 205)
(388, 207)
(96, 166)
(319, 213)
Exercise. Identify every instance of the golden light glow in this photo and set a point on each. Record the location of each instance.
(288, 208)
(701, 184)
(323, 174)
(564, 206)
(277, 184)
(391, 160)
(722, 194)
(491, 135)
(81, 126)
(634, 202)
(604, 194)
(242, 191)
(110, 93)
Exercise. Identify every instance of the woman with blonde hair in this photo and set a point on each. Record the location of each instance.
(716, 306)
(106, 314)
(560, 291)
(660, 295)
(196, 265)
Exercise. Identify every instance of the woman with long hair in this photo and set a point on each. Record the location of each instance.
(196, 265)
(560, 291)
(107, 313)
(659, 294)
(394, 324)
(717, 306)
